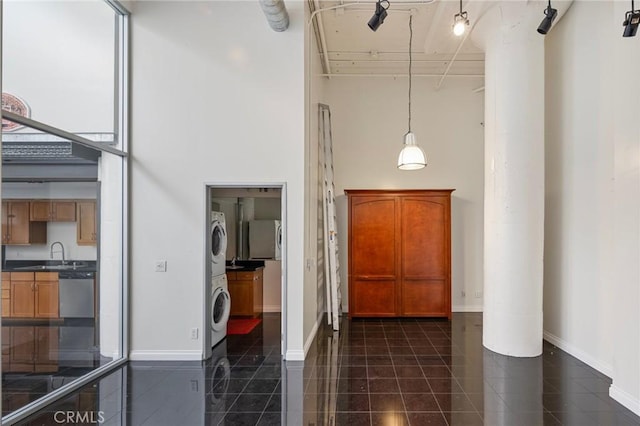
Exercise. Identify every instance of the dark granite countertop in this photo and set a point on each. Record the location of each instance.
(245, 265)
(49, 266)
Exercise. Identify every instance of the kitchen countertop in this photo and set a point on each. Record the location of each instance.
(49, 266)
(245, 265)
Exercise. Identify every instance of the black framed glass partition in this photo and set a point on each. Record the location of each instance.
(63, 193)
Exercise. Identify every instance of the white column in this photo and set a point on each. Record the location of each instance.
(514, 178)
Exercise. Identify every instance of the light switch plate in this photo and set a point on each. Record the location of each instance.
(161, 266)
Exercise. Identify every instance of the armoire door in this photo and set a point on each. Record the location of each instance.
(373, 250)
(424, 256)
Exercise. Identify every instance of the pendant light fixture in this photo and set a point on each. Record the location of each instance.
(412, 156)
(631, 22)
(460, 22)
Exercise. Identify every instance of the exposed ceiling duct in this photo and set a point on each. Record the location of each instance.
(276, 14)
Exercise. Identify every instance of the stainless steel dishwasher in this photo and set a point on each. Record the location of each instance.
(76, 294)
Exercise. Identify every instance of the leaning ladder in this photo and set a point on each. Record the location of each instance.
(332, 266)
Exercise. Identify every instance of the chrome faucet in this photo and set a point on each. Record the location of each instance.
(233, 261)
(61, 250)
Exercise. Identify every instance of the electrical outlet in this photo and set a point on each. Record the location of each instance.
(463, 293)
(478, 294)
(161, 266)
(194, 333)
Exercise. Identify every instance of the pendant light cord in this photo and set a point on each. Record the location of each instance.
(410, 61)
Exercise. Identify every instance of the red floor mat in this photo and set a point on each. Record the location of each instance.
(242, 326)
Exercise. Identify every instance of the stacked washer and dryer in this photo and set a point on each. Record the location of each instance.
(220, 305)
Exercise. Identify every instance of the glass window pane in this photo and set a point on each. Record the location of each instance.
(62, 264)
(58, 60)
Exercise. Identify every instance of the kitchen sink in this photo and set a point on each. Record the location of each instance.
(66, 266)
(31, 268)
(236, 267)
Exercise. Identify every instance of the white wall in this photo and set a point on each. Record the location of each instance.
(592, 217)
(218, 98)
(315, 92)
(272, 286)
(65, 232)
(369, 118)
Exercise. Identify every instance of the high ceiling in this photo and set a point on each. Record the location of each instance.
(353, 48)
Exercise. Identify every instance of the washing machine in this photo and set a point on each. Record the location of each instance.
(218, 243)
(220, 308)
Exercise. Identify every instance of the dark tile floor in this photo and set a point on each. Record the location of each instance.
(374, 372)
(38, 357)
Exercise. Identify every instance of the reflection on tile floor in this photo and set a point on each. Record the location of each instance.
(38, 357)
(376, 372)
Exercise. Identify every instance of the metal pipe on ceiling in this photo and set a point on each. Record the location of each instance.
(321, 32)
(276, 14)
(323, 40)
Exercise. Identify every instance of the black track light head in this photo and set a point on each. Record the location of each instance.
(549, 16)
(378, 17)
(631, 22)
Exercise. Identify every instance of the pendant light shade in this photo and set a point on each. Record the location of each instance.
(412, 156)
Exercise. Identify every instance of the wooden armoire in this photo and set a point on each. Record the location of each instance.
(399, 253)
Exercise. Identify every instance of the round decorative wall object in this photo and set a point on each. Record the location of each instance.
(15, 105)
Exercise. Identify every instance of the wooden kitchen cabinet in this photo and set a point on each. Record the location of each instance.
(46, 297)
(399, 253)
(34, 295)
(6, 294)
(53, 210)
(245, 289)
(86, 218)
(22, 294)
(17, 228)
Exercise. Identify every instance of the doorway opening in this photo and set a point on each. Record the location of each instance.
(254, 257)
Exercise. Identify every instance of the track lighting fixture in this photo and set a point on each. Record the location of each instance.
(460, 22)
(631, 21)
(378, 17)
(549, 15)
(412, 156)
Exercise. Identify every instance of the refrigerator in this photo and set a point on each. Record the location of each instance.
(265, 239)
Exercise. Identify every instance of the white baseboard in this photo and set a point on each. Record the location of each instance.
(466, 308)
(165, 355)
(312, 334)
(599, 365)
(271, 308)
(625, 399)
(294, 355)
